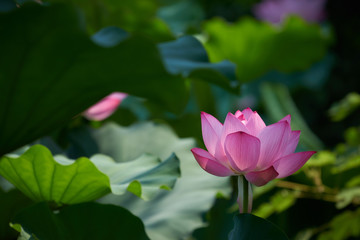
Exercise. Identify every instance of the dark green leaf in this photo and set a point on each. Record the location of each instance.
(110, 36)
(133, 16)
(81, 221)
(7, 5)
(182, 16)
(11, 203)
(248, 226)
(52, 71)
(187, 56)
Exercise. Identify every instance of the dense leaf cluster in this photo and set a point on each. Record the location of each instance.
(133, 176)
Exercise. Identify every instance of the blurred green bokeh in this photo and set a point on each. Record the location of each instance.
(177, 58)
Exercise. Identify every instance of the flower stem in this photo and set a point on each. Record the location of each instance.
(245, 195)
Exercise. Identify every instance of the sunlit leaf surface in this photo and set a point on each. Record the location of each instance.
(41, 178)
(64, 181)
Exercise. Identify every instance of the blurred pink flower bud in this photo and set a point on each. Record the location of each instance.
(275, 11)
(105, 107)
(244, 145)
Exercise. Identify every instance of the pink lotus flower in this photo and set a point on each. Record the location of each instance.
(105, 107)
(275, 11)
(245, 146)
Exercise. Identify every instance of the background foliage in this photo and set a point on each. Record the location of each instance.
(175, 59)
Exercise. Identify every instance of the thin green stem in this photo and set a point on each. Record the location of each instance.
(245, 194)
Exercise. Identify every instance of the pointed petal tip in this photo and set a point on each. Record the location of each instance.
(287, 119)
(255, 124)
(202, 113)
(210, 164)
(205, 114)
(291, 163)
(247, 113)
(238, 113)
(202, 152)
(194, 150)
(285, 124)
(118, 95)
(229, 114)
(312, 153)
(211, 131)
(308, 154)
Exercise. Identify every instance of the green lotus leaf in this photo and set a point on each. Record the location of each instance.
(52, 71)
(80, 221)
(41, 178)
(257, 47)
(248, 226)
(58, 179)
(171, 214)
(143, 176)
(11, 202)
